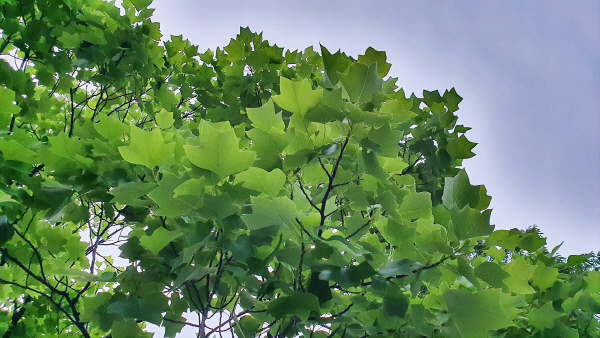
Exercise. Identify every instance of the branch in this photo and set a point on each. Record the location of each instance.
(72, 304)
(17, 315)
(178, 322)
(330, 185)
(307, 197)
(359, 229)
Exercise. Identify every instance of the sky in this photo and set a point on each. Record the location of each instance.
(528, 72)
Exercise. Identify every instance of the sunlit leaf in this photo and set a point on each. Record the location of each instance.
(148, 148)
(297, 97)
(219, 151)
(160, 238)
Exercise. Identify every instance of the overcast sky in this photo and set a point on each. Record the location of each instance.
(529, 73)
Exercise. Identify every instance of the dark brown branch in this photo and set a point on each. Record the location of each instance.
(330, 185)
(308, 197)
(72, 304)
(359, 229)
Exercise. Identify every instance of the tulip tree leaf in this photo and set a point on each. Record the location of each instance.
(297, 97)
(377, 57)
(491, 273)
(190, 272)
(544, 277)
(261, 180)
(300, 304)
(397, 110)
(7, 107)
(219, 151)
(13, 150)
(468, 222)
(160, 238)
(147, 148)
(164, 119)
(264, 117)
(458, 192)
(266, 212)
(334, 64)
(476, 313)
(146, 308)
(520, 274)
(460, 148)
(543, 317)
(361, 82)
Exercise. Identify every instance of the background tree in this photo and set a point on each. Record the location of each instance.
(269, 192)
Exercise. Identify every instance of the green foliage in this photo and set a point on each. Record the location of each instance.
(290, 192)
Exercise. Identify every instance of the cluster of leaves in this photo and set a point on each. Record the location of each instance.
(272, 193)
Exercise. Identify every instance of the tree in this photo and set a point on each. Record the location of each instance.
(271, 193)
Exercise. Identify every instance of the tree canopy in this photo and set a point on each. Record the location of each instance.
(268, 192)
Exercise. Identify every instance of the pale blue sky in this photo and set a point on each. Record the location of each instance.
(529, 73)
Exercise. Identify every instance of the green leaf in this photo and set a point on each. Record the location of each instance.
(387, 140)
(398, 268)
(415, 205)
(141, 4)
(544, 277)
(110, 128)
(468, 222)
(269, 146)
(168, 205)
(15, 151)
(334, 64)
(520, 274)
(398, 111)
(319, 287)
(84, 276)
(379, 58)
(265, 118)
(130, 192)
(361, 82)
(452, 100)
(160, 238)
(491, 273)
(6, 198)
(64, 146)
(54, 237)
(6, 230)
(126, 329)
(460, 148)
(191, 272)
(191, 187)
(297, 97)
(458, 192)
(574, 260)
(148, 148)
(267, 212)
(235, 50)
(261, 180)
(172, 326)
(397, 234)
(70, 41)
(147, 307)
(299, 304)
(248, 326)
(395, 302)
(219, 150)
(476, 313)
(7, 107)
(544, 317)
(167, 98)
(164, 119)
